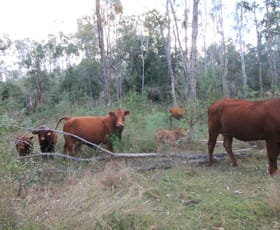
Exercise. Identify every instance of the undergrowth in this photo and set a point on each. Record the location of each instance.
(62, 194)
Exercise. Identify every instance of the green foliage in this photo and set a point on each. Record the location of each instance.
(82, 82)
(108, 195)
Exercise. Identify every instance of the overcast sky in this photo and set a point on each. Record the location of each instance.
(38, 18)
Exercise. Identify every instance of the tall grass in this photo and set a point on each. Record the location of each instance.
(61, 194)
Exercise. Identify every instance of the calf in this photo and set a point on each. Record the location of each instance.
(24, 145)
(172, 137)
(47, 139)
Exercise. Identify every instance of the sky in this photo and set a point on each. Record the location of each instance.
(38, 18)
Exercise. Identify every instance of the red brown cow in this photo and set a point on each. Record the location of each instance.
(172, 137)
(247, 121)
(95, 129)
(24, 145)
(177, 112)
(47, 139)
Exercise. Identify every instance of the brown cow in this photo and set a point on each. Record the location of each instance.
(177, 112)
(24, 145)
(172, 137)
(47, 139)
(247, 121)
(95, 129)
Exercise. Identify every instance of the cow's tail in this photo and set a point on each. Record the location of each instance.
(63, 118)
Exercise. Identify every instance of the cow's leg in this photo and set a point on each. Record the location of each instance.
(228, 147)
(272, 154)
(44, 150)
(51, 149)
(68, 144)
(211, 146)
(77, 147)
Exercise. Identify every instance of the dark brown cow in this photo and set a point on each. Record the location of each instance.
(95, 129)
(177, 112)
(24, 145)
(247, 121)
(172, 137)
(47, 139)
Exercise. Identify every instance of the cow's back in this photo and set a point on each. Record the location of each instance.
(90, 128)
(245, 120)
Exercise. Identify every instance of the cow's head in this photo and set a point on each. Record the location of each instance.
(181, 132)
(43, 133)
(119, 117)
(23, 144)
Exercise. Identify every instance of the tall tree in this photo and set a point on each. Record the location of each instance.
(193, 59)
(272, 28)
(254, 9)
(104, 58)
(168, 55)
(259, 45)
(240, 27)
(223, 50)
(182, 50)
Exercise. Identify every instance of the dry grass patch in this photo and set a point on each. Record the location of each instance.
(8, 216)
(94, 201)
(273, 199)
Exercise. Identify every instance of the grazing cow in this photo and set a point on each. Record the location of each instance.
(247, 121)
(95, 129)
(47, 139)
(24, 145)
(172, 137)
(177, 112)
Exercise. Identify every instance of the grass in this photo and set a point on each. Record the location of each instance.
(61, 194)
(184, 197)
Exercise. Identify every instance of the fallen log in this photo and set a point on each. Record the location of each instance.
(144, 161)
(187, 156)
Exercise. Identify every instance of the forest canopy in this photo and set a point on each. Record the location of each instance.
(184, 54)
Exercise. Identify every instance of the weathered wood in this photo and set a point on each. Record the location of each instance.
(188, 156)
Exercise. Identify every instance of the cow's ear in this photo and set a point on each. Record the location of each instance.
(112, 114)
(126, 112)
(35, 132)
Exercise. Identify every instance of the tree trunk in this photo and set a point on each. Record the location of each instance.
(143, 63)
(272, 56)
(223, 52)
(168, 57)
(239, 19)
(104, 61)
(181, 50)
(259, 63)
(194, 71)
(185, 54)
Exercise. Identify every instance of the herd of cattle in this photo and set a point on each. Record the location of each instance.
(233, 118)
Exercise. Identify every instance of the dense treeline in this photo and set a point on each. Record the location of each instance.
(137, 51)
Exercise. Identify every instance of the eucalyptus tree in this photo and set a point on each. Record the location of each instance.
(182, 40)
(139, 36)
(82, 82)
(193, 66)
(32, 56)
(87, 36)
(5, 43)
(272, 37)
(240, 27)
(217, 18)
(168, 53)
(104, 13)
(158, 25)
